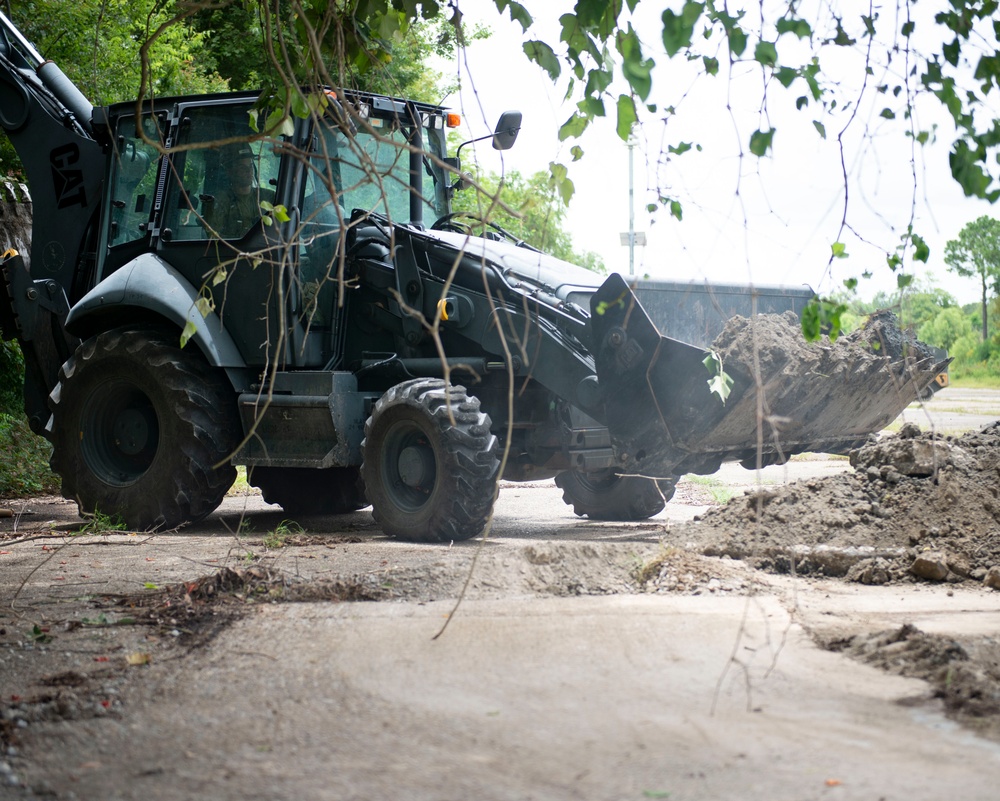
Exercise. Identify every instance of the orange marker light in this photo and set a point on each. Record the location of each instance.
(453, 120)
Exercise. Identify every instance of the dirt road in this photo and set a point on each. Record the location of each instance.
(249, 658)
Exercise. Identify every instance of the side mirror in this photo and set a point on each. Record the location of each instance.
(503, 138)
(506, 131)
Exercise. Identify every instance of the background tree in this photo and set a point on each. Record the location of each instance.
(539, 215)
(976, 253)
(97, 43)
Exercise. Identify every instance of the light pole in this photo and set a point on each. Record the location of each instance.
(631, 238)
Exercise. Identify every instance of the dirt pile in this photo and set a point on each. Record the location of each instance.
(825, 397)
(916, 505)
(963, 672)
(774, 342)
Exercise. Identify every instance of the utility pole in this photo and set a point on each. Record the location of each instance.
(631, 238)
(631, 206)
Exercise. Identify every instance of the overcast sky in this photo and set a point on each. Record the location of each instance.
(764, 221)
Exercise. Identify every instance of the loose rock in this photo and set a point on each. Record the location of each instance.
(992, 578)
(930, 566)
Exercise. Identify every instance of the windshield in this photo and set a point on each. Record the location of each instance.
(371, 171)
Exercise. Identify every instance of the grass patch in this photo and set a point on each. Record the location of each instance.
(720, 492)
(285, 529)
(24, 465)
(241, 486)
(976, 376)
(100, 523)
(648, 571)
(818, 457)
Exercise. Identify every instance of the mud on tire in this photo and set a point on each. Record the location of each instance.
(430, 462)
(138, 427)
(603, 495)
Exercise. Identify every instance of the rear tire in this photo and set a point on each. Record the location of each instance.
(603, 495)
(143, 430)
(430, 464)
(309, 491)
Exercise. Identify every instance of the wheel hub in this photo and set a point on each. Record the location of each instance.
(416, 466)
(131, 432)
(119, 433)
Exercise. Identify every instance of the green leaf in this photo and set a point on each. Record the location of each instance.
(576, 152)
(559, 177)
(820, 127)
(903, 280)
(679, 149)
(204, 305)
(851, 283)
(921, 250)
(842, 39)
(626, 116)
(907, 28)
(966, 170)
(887, 113)
(635, 68)
(737, 41)
(799, 27)
(573, 127)
(220, 276)
(786, 76)
(591, 107)
(544, 56)
(518, 13)
(598, 81)
(720, 383)
(279, 124)
(839, 250)
(952, 51)
(711, 65)
(190, 329)
(760, 142)
(678, 29)
(812, 329)
(988, 70)
(766, 54)
(676, 210)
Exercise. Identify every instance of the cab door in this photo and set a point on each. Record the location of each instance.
(245, 270)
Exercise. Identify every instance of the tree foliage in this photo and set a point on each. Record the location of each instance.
(976, 254)
(611, 56)
(538, 213)
(99, 45)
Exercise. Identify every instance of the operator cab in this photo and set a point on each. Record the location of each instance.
(255, 220)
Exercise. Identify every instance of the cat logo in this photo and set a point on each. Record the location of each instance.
(67, 182)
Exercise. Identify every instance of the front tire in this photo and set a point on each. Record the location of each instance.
(143, 430)
(604, 495)
(310, 491)
(430, 462)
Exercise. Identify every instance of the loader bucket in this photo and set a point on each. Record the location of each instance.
(787, 396)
